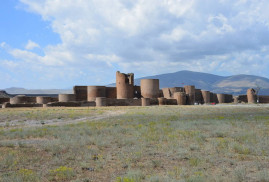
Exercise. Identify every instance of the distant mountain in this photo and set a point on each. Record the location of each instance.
(236, 85)
(4, 94)
(15, 90)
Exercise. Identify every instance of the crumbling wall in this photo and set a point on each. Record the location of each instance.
(168, 93)
(137, 92)
(198, 96)
(242, 98)
(190, 91)
(96, 91)
(80, 93)
(236, 99)
(125, 85)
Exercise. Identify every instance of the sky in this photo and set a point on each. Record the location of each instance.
(61, 43)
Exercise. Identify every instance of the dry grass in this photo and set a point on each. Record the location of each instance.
(168, 143)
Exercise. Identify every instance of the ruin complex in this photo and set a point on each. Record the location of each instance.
(127, 94)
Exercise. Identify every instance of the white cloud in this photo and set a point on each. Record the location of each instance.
(31, 45)
(8, 64)
(150, 37)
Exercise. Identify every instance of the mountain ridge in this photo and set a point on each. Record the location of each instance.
(234, 84)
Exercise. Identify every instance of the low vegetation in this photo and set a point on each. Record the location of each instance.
(135, 144)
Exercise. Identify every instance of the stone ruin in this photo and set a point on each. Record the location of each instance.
(127, 94)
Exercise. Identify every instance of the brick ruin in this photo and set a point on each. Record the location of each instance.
(127, 94)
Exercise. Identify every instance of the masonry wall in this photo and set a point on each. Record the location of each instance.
(263, 99)
(95, 91)
(111, 92)
(2, 100)
(20, 99)
(242, 98)
(80, 93)
(168, 93)
(198, 96)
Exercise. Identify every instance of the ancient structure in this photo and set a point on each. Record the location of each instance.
(251, 95)
(190, 91)
(198, 96)
(67, 97)
(137, 92)
(80, 93)
(228, 98)
(150, 88)
(22, 99)
(180, 97)
(221, 98)
(111, 92)
(43, 100)
(168, 93)
(124, 85)
(127, 94)
(236, 99)
(100, 101)
(162, 101)
(145, 101)
(206, 96)
(3, 100)
(96, 91)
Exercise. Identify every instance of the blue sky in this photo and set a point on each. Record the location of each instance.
(58, 44)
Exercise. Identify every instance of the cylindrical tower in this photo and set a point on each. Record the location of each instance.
(100, 101)
(22, 99)
(145, 101)
(206, 96)
(124, 85)
(80, 92)
(190, 90)
(221, 98)
(149, 88)
(96, 91)
(180, 97)
(66, 97)
(252, 97)
(162, 101)
(43, 100)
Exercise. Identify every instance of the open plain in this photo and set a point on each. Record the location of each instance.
(135, 144)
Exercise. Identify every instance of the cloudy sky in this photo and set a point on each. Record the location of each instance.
(61, 43)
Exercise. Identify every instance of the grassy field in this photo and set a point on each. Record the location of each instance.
(135, 144)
